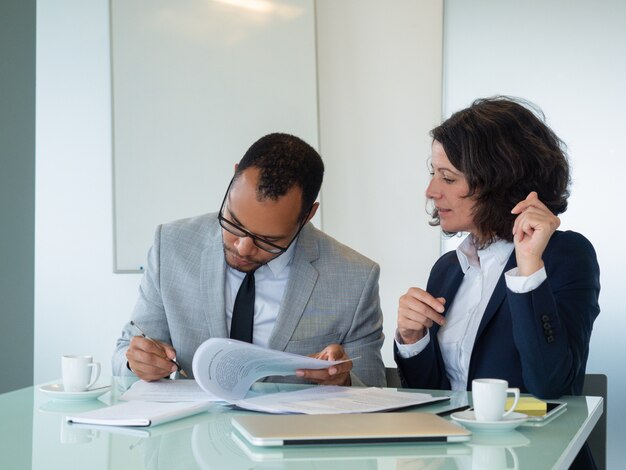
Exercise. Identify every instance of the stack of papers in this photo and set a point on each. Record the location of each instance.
(225, 370)
(335, 400)
(314, 400)
(166, 390)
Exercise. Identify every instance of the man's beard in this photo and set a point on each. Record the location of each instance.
(249, 264)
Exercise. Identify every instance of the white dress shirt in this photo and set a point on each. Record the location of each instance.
(481, 269)
(270, 281)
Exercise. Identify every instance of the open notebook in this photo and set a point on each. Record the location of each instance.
(285, 430)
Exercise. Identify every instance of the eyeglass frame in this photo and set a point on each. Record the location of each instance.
(246, 233)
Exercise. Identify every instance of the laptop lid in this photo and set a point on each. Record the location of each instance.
(362, 428)
(355, 455)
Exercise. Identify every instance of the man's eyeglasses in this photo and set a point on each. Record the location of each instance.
(259, 242)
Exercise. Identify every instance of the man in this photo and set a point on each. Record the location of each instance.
(260, 272)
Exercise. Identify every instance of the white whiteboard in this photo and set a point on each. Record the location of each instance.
(195, 83)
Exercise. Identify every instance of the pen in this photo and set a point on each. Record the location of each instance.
(453, 410)
(180, 369)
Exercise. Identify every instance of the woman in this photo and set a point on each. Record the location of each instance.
(518, 298)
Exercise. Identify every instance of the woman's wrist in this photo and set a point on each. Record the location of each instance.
(411, 336)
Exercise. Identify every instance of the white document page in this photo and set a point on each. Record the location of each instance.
(167, 391)
(335, 399)
(227, 368)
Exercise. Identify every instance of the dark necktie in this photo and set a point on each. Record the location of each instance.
(243, 311)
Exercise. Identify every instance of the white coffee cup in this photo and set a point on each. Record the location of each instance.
(489, 398)
(79, 372)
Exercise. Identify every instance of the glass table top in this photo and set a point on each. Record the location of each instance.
(34, 434)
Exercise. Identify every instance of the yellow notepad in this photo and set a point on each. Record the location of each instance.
(529, 405)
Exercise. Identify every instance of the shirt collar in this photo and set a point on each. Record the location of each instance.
(500, 249)
(465, 252)
(468, 255)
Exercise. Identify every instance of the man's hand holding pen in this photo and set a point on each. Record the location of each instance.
(150, 359)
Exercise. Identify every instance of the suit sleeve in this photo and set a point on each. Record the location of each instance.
(148, 313)
(552, 324)
(365, 337)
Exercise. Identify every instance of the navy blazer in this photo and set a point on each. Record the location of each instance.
(537, 341)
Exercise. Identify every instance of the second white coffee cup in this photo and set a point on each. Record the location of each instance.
(489, 397)
(79, 372)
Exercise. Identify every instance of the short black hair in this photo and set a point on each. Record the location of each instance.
(504, 148)
(285, 161)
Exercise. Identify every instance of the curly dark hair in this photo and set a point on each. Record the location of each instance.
(505, 150)
(285, 161)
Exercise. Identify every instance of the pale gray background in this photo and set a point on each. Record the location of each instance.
(17, 191)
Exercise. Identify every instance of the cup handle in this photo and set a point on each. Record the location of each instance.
(514, 457)
(95, 373)
(515, 391)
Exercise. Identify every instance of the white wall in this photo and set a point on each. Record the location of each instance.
(570, 59)
(80, 305)
(379, 79)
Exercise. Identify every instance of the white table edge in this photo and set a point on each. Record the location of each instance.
(581, 436)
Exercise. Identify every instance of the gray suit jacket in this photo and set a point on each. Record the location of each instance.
(331, 297)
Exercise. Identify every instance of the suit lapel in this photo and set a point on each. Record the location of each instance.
(302, 279)
(213, 269)
(449, 287)
(497, 297)
(452, 286)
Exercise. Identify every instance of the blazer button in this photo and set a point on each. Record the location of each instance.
(547, 332)
(550, 339)
(547, 326)
(545, 318)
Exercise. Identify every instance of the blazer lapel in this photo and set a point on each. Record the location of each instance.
(449, 287)
(302, 279)
(213, 270)
(497, 297)
(452, 286)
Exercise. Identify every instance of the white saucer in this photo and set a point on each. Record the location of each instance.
(508, 423)
(56, 392)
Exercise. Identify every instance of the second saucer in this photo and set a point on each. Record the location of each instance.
(508, 423)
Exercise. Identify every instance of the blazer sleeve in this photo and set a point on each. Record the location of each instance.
(424, 370)
(552, 324)
(148, 313)
(365, 336)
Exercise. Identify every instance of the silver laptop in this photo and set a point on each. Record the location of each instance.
(348, 429)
